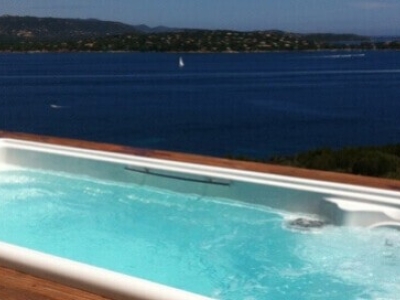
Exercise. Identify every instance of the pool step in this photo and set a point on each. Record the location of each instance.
(357, 213)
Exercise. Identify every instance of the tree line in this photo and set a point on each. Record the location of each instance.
(192, 41)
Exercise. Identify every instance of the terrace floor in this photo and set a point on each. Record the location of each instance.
(15, 285)
(19, 286)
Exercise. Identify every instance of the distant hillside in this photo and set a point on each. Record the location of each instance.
(13, 28)
(335, 38)
(32, 34)
(158, 29)
(37, 29)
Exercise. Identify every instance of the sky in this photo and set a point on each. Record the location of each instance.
(367, 17)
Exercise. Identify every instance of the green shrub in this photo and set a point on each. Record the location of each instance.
(382, 161)
(375, 163)
(320, 159)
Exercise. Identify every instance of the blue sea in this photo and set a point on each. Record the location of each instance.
(256, 105)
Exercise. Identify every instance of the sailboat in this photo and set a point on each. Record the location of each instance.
(181, 62)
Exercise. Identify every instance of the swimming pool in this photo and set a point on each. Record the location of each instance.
(283, 231)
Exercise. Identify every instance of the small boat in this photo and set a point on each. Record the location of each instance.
(181, 62)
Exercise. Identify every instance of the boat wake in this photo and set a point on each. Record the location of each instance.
(56, 106)
(358, 55)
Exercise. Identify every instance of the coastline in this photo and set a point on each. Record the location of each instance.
(200, 52)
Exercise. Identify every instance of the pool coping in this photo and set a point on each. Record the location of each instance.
(326, 176)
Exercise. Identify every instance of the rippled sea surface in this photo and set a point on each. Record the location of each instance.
(254, 105)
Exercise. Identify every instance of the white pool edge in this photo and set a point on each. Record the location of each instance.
(89, 278)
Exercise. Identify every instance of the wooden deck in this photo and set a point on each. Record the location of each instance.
(18, 286)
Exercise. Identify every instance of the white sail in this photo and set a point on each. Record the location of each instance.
(181, 63)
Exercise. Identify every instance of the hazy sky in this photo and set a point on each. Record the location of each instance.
(372, 17)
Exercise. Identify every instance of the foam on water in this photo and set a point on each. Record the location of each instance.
(215, 247)
(358, 257)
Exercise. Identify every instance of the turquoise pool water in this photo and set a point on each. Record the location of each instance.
(212, 246)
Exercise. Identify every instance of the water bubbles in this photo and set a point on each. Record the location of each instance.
(359, 257)
(227, 250)
(391, 251)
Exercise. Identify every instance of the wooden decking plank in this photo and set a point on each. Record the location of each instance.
(15, 285)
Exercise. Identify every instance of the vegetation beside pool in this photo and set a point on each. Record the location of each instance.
(377, 161)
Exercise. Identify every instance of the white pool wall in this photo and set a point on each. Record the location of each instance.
(277, 191)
